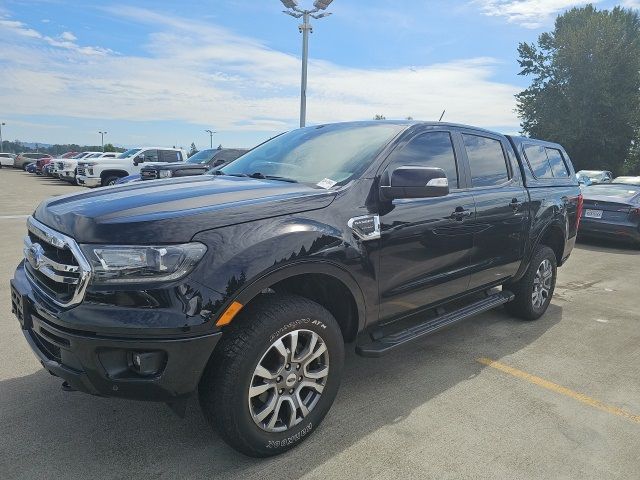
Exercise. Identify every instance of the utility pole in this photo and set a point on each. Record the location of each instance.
(210, 132)
(2, 124)
(305, 28)
(102, 134)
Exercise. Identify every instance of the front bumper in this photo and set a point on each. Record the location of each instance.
(88, 181)
(101, 364)
(68, 175)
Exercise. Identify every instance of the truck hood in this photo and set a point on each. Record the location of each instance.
(173, 211)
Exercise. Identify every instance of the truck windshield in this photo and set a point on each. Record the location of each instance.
(326, 154)
(129, 153)
(203, 156)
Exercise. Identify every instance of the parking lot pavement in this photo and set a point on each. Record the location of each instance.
(490, 398)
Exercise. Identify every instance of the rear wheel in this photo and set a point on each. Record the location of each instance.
(534, 290)
(274, 375)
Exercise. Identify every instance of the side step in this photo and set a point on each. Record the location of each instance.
(383, 345)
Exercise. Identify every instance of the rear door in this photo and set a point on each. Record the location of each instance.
(425, 243)
(502, 208)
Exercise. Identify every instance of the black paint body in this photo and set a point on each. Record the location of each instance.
(260, 232)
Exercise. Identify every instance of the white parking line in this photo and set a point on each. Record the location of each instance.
(12, 217)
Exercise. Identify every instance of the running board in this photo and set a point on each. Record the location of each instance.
(384, 345)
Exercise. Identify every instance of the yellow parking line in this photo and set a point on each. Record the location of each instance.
(554, 387)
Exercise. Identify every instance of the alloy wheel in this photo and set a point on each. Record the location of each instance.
(542, 284)
(288, 381)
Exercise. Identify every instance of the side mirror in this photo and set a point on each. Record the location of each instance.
(138, 159)
(416, 182)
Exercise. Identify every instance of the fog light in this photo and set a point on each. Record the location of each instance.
(147, 363)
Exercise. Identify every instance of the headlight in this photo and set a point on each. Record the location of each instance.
(165, 174)
(112, 264)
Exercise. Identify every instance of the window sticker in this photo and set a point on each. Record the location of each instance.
(326, 183)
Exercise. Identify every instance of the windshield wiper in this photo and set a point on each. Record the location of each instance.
(257, 175)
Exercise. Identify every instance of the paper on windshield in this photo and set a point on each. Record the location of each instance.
(326, 183)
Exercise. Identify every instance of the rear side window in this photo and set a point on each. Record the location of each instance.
(170, 156)
(486, 160)
(558, 165)
(432, 149)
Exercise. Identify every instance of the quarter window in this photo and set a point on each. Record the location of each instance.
(169, 156)
(486, 160)
(538, 161)
(558, 165)
(432, 149)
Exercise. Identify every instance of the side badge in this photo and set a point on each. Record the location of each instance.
(366, 227)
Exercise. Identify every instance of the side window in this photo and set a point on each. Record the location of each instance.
(432, 149)
(170, 156)
(150, 156)
(558, 165)
(486, 160)
(538, 161)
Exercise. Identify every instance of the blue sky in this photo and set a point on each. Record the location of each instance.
(161, 72)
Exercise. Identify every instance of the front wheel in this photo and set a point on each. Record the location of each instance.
(534, 290)
(111, 180)
(274, 375)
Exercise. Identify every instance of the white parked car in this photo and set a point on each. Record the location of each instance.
(58, 163)
(69, 165)
(6, 159)
(106, 171)
(597, 176)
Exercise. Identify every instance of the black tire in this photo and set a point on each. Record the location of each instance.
(523, 306)
(246, 342)
(110, 180)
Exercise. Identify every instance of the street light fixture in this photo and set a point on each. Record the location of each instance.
(102, 134)
(305, 28)
(2, 124)
(210, 132)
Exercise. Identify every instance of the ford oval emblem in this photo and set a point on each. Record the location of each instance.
(35, 255)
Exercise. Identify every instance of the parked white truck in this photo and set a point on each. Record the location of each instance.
(106, 171)
(66, 168)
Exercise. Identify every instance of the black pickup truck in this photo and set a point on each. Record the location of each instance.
(244, 286)
(197, 164)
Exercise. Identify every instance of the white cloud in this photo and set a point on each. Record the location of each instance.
(204, 74)
(68, 36)
(527, 13)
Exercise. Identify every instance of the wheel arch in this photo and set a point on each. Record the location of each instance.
(113, 171)
(323, 282)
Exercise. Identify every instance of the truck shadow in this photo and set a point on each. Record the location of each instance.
(47, 433)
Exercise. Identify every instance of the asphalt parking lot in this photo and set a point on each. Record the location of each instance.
(491, 398)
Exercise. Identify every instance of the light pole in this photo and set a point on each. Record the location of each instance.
(305, 28)
(102, 134)
(210, 132)
(2, 124)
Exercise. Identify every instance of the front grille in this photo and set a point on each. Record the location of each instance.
(60, 165)
(55, 264)
(51, 350)
(81, 170)
(148, 174)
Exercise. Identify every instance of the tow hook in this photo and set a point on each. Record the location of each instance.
(66, 387)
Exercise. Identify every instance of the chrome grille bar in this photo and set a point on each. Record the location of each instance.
(78, 275)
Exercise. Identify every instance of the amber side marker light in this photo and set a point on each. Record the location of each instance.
(229, 314)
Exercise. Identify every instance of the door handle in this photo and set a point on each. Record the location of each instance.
(515, 204)
(460, 214)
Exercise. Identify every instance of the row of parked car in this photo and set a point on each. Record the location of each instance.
(95, 169)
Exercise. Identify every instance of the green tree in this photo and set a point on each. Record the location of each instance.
(379, 117)
(585, 88)
(108, 147)
(193, 150)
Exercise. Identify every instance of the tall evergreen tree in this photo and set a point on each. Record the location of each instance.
(585, 88)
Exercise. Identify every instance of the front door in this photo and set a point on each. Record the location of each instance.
(425, 243)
